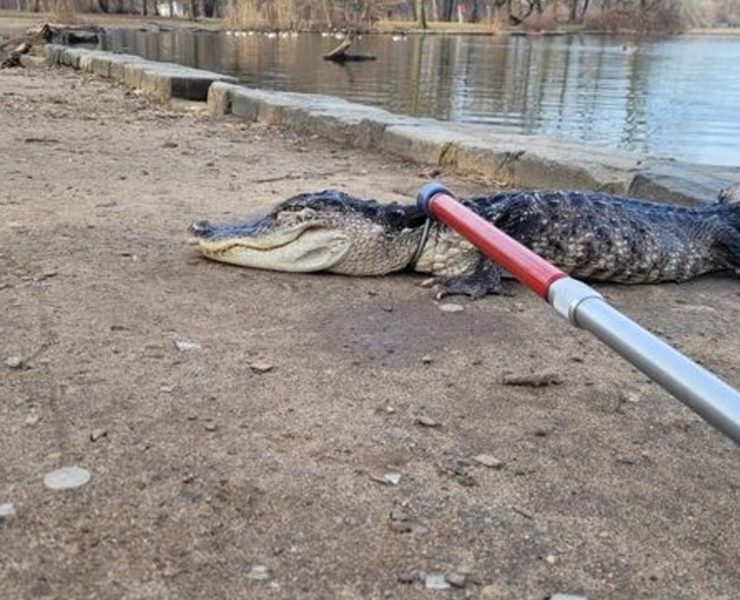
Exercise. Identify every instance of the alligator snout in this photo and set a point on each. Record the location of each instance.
(202, 229)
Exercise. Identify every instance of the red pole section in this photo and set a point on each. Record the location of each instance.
(530, 269)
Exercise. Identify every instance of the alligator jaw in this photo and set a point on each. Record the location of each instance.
(320, 231)
(300, 249)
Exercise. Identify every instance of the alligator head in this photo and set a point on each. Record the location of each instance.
(323, 231)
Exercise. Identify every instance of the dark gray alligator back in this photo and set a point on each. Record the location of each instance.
(603, 237)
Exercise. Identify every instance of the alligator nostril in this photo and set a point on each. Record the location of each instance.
(201, 229)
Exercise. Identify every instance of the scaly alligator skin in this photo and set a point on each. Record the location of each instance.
(593, 236)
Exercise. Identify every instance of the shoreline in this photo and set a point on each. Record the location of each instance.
(18, 20)
(525, 161)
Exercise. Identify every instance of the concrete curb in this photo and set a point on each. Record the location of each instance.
(162, 81)
(515, 160)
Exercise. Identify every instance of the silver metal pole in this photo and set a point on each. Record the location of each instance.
(700, 390)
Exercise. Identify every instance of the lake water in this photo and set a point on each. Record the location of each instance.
(677, 96)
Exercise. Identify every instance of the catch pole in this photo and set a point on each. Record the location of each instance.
(704, 393)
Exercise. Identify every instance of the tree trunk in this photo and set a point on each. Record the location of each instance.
(421, 16)
(448, 7)
(584, 10)
(573, 16)
(327, 12)
(474, 18)
(435, 10)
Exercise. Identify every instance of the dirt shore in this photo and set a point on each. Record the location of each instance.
(210, 479)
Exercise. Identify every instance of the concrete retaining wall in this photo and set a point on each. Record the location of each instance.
(517, 160)
(162, 81)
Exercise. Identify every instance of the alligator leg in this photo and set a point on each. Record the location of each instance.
(486, 279)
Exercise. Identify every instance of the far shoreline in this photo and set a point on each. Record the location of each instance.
(12, 22)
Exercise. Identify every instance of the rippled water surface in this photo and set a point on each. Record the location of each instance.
(676, 97)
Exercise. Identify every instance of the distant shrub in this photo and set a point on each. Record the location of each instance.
(63, 11)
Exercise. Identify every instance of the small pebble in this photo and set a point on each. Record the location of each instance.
(550, 559)
(449, 307)
(400, 527)
(32, 419)
(427, 360)
(629, 396)
(185, 346)
(489, 461)
(14, 362)
(397, 514)
(390, 478)
(261, 366)
(427, 283)
(523, 511)
(210, 426)
(96, 434)
(567, 597)
(534, 380)
(66, 478)
(47, 275)
(457, 580)
(7, 511)
(419, 529)
(411, 576)
(495, 591)
(435, 581)
(258, 573)
(427, 422)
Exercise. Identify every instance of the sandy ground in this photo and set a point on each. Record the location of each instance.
(205, 471)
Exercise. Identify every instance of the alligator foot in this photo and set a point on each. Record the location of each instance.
(486, 279)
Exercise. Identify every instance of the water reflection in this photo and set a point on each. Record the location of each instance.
(678, 97)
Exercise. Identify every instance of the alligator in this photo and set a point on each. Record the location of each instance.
(591, 235)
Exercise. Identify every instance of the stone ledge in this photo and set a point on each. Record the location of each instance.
(516, 160)
(162, 81)
(682, 183)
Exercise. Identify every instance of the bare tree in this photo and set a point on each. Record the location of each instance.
(421, 16)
